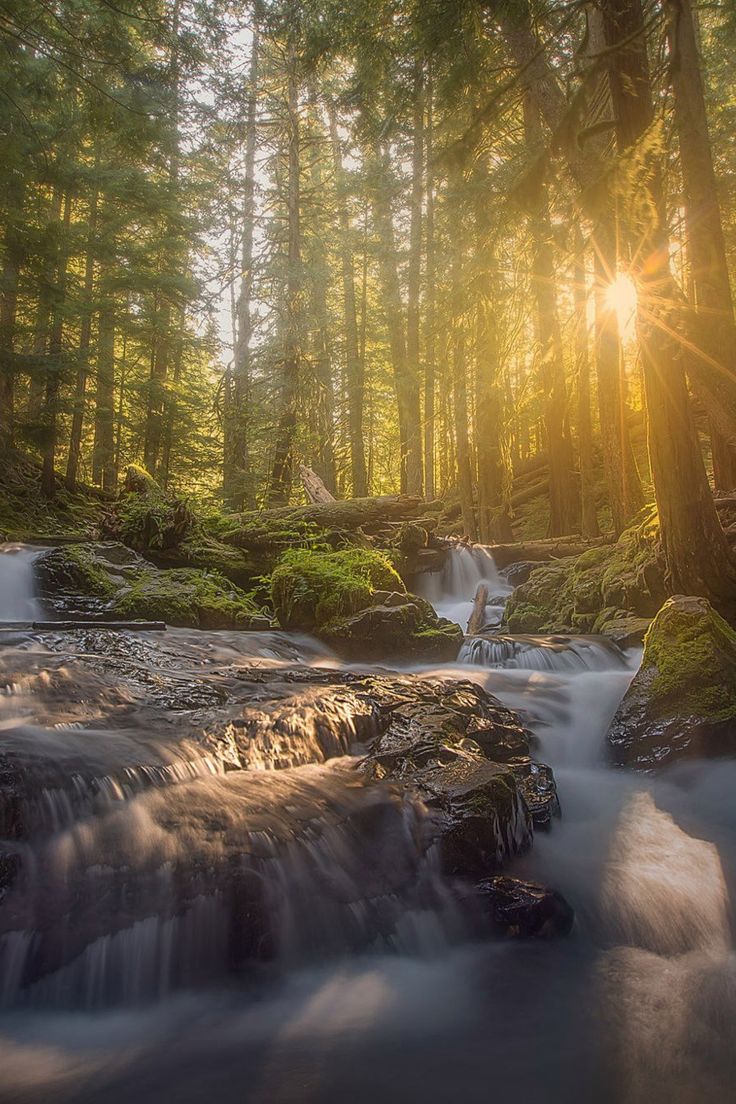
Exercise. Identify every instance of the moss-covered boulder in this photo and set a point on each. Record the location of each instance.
(356, 602)
(311, 588)
(109, 579)
(189, 597)
(583, 594)
(682, 702)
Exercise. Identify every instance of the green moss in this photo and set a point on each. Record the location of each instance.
(692, 652)
(93, 579)
(570, 594)
(188, 597)
(310, 588)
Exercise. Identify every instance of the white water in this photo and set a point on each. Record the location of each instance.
(18, 600)
(637, 1007)
(452, 590)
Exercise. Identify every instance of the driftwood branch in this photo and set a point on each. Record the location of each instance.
(316, 491)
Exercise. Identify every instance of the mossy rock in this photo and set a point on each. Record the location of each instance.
(406, 630)
(570, 595)
(311, 588)
(187, 597)
(682, 702)
(94, 570)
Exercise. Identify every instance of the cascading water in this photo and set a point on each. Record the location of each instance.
(452, 590)
(18, 600)
(638, 1006)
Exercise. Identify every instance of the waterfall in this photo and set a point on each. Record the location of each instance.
(17, 584)
(452, 590)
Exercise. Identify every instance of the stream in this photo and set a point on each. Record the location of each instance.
(370, 986)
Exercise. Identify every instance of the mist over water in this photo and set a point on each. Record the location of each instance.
(638, 1005)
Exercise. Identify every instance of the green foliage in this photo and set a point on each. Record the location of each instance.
(310, 588)
(583, 593)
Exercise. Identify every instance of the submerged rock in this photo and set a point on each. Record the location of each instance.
(682, 702)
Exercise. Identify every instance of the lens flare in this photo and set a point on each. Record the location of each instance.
(621, 298)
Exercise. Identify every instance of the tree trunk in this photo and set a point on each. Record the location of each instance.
(431, 313)
(103, 456)
(588, 512)
(171, 260)
(236, 461)
(563, 497)
(55, 360)
(406, 383)
(494, 475)
(706, 243)
(282, 468)
(13, 258)
(414, 474)
(459, 389)
(354, 372)
(85, 334)
(696, 551)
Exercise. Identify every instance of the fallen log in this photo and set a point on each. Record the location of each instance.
(518, 498)
(540, 551)
(90, 623)
(260, 527)
(477, 619)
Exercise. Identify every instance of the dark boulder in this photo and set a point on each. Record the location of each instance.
(525, 909)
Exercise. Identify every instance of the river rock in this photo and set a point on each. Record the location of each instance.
(524, 909)
(395, 629)
(682, 702)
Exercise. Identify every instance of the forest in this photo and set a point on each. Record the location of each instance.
(454, 249)
(367, 551)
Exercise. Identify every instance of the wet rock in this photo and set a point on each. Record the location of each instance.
(106, 577)
(682, 702)
(525, 909)
(410, 629)
(517, 573)
(467, 757)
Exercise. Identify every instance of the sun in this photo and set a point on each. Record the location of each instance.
(621, 298)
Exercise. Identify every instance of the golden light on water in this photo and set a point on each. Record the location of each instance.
(621, 298)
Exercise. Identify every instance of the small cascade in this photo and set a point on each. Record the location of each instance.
(18, 600)
(541, 653)
(452, 590)
(186, 885)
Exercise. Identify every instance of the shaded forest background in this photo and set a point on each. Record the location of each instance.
(476, 250)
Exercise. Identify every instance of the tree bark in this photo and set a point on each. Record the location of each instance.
(696, 552)
(282, 468)
(103, 456)
(588, 511)
(407, 389)
(55, 364)
(430, 353)
(415, 475)
(85, 335)
(236, 460)
(705, 239)
(354, 372)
